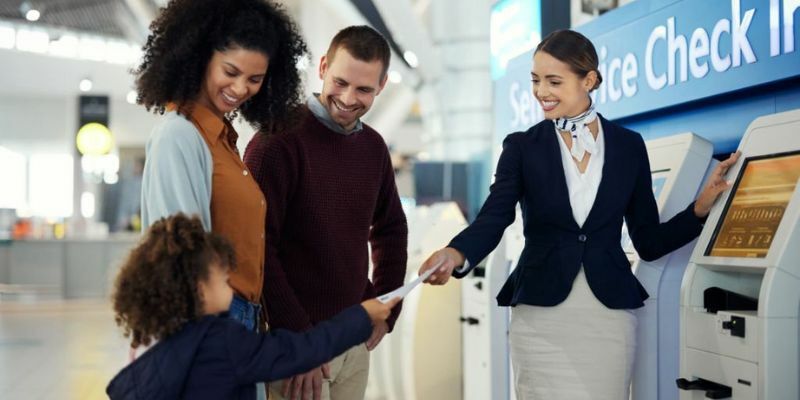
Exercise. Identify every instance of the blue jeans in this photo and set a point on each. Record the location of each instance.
(249, 315)
(245, 312)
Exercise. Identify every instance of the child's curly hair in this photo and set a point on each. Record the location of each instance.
(156, 289)
(187, 32)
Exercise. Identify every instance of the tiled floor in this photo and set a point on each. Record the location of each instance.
(58, 350)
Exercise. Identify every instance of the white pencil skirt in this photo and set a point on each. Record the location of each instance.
(579, 349)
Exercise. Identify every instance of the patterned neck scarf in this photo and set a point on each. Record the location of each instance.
(582, 140)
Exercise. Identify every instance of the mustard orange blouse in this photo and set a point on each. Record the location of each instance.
(238, 208)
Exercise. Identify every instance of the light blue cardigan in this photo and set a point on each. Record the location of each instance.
(177, 172)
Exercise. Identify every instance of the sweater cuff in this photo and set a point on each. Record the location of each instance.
(462, 271)
(699, 220)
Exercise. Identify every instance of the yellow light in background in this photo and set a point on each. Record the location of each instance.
(94, 139)
(59, 230)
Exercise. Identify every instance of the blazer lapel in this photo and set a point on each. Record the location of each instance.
(611, 165)
(559, 189)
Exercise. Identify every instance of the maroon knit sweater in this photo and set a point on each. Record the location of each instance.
(328, 196)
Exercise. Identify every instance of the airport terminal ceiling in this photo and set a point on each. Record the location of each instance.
(30, 75)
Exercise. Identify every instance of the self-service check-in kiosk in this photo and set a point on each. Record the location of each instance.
(421, 358)
(679, 164)
(740, 296)
(487, 370)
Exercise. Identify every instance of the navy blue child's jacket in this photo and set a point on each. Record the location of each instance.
(218, 358)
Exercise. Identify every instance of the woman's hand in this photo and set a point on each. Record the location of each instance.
(446, 260)
(716, 184)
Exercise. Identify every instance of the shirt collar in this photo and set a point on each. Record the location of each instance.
(322, 115)
(211, 125)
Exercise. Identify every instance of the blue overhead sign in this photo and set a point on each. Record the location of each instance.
(693, 49)
(516, 109)
(515, 27)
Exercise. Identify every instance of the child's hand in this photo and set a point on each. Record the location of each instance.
(378, 312)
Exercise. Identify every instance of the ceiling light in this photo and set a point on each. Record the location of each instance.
(33, 15)
(85, 85)
(29, 12)
(131, 97)
(395, 77)
(411, 58)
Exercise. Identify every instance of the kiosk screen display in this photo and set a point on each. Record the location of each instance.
(659, 179)
(753, 213)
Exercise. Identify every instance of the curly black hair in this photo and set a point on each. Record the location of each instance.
(156, 291)
(187, 32)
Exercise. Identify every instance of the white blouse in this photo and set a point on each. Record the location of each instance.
(583, 187)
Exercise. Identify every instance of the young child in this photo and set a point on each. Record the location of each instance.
(172, 289)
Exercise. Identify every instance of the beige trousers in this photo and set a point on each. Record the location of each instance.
(348, 381)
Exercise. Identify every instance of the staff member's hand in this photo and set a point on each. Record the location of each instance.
(716, 184)
(447, 259)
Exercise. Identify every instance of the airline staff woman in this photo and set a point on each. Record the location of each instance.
(576, 176)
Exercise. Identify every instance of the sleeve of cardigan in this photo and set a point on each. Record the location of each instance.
(273, 163)
(388, 238)
(177, 173)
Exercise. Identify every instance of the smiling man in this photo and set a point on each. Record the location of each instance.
(331, 192)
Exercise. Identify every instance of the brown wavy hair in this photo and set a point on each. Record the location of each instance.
(575, 50)
(156, 290)
(185, 35)
(364, 44)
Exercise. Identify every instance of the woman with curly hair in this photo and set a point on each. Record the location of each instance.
(172, 288)
(205, 62)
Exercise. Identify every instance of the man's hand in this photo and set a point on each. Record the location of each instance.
(378, 332)
(306, 386)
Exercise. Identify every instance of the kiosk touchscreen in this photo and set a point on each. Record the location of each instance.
(679, 164)
(740, 296)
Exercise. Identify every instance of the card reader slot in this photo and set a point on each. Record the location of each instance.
(717, 299)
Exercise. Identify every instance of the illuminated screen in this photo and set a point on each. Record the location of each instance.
(754, 211)
(515, 28)
(659, 179)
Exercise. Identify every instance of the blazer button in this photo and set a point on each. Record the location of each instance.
(581, 238)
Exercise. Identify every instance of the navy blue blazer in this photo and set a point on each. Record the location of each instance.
(218, 358)
(530, 172)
